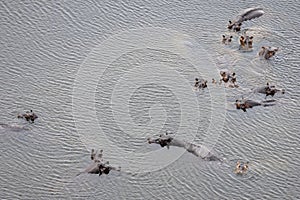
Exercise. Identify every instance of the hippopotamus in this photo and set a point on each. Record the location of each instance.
(241, 168)
(242, 42)
(246, 42)
(269, 90)
(98, 166)
(199, 151)
(245, 15)
(200, 84)
(226, 39)
(245, 104)
(249, 41)
(29, 116)
(94, 153)
(227, 76)
(267, 52)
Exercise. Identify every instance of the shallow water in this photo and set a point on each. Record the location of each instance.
(111, 74)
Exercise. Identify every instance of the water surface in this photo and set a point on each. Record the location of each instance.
(142, 92)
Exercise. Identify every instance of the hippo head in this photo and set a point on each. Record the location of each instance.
(34, 116)
(230, 25)
(162, 140)
(238, 104)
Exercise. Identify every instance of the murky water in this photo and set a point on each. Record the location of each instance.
(111, 74)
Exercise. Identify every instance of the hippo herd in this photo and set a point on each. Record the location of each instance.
(245, 40)
(266, 52)
(99, 166)
(229, 78)
(246, 44)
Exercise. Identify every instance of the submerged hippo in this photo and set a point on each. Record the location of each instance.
(269, 90)
(227, 76)
(246, 104)
(267, 52)
(200, 151)
(226, 39)
(98, 166)
(246, 42)
(29, 116)
(245, 15)
(200, 83)
(241, 168)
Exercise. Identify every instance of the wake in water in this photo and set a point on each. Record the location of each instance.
(13, 127)
(199, 151)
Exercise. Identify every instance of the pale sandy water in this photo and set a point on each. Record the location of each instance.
(43, 47)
